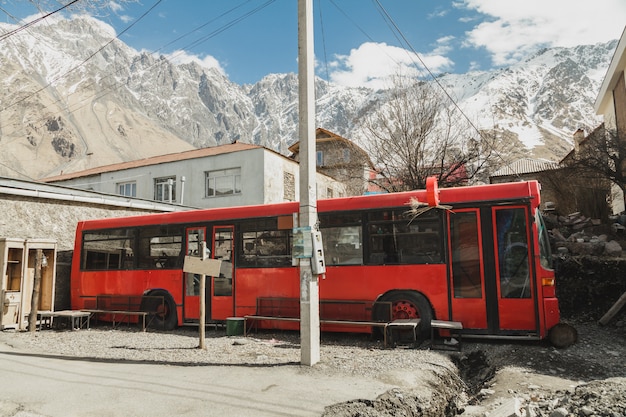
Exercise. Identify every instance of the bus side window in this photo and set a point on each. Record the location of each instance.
(160, 247)
(342, 236)
(108, 250)
(342, 245)
(262, 244)
(395, 238)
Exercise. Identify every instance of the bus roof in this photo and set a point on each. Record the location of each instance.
(447, 196)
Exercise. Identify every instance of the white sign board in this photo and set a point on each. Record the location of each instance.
(196, 265)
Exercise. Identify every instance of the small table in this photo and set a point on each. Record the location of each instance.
(77, 318)
(403, 324)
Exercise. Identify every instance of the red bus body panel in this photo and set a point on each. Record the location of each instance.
(358, 282)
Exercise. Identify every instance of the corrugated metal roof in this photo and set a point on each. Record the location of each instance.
(160, 159)
(525, 166)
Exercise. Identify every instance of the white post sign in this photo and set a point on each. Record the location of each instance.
(195, 265)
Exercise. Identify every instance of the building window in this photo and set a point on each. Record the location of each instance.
(319, 158)
(128, 189)
(165, 189)
(223, 182)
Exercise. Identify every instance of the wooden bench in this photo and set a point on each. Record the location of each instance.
(454, 327)
(332, 312)
(126, 306)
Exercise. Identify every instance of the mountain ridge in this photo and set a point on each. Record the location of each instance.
(73, 98)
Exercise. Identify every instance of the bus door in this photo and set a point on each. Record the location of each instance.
(191, 297)
(222, 300)
(491, 289)
(468, 302)
(514, 285)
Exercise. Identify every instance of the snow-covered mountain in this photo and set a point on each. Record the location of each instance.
(72, 98)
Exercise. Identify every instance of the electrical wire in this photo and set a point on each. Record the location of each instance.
(65, 74)
(34, 22)
(101, 94)
(192, 44)
(397, 30)
(319, 7)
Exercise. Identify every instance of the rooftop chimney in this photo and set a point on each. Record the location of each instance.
(579, 135)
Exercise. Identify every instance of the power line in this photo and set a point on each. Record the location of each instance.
(84, 61)
(192, 44)
(39, 19)
(389, 19)
(201, 26)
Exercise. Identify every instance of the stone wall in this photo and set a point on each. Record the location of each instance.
(587, 287)
(590, 265)
(37, 218)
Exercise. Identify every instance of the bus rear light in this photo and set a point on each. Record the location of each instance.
(547, 282)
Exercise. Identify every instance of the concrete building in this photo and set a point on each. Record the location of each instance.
(611, 100)
(222, 176)
(341, 159)
(611, 104)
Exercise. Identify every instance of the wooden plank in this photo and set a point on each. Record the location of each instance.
(613, 310)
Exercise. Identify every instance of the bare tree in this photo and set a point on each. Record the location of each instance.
(418, 133)
(601, 156)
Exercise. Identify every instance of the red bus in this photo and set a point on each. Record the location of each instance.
(480, 257)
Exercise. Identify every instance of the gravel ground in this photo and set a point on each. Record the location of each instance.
(586, 379)
(356, 355)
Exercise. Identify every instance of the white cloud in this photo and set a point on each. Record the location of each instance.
(115, 7)
(125, 18)
(184, 57)
(514, 29)
(438, 13)
(372, 64)
(443, 45)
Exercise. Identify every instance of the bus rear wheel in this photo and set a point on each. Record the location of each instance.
(163, 316)
(410, 305)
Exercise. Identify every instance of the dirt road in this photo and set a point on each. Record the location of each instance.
(125, 372)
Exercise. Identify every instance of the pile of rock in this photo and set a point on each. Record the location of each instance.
(576, 234)
(596, 398)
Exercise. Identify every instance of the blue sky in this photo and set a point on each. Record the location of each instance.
(357, 42)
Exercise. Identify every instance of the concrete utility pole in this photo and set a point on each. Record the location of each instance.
(203, 279)
(309, 289)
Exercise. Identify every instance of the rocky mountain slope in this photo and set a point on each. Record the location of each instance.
(73, 97)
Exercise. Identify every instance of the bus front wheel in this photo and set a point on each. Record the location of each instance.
(164, 314)
(410, 305)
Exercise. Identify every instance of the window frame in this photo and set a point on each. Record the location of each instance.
(319, 158)
(162, 182)
(210, 186)
(131, 184)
